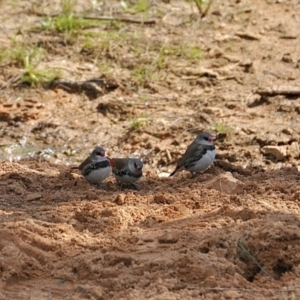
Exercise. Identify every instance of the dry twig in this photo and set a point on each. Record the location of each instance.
(103, 18)
(279, 90)
(245, 253)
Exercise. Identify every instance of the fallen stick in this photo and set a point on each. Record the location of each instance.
(121, 19)
(279, 90)
(247, 35)
(102, 18)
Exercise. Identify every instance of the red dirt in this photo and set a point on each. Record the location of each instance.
(177, 238)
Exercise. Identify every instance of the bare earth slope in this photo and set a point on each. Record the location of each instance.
(174, 239)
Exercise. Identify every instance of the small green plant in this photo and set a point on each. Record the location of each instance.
(105, 67)
(161, 58)
(28, 59)
(190, 52)
(203, 6)
(193, 53)
(143, 73)
(137, 124)
(67, 23)
(291, 296)
(16, 53)
(33, 76)
(67, 6)
(222, 128)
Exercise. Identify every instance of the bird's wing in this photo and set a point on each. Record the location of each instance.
(119, 167)
(194, 153)
(119, 163)
(94, 166)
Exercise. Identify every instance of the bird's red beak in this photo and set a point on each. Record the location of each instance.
(211, 139)
(102, 153)
(111, 162)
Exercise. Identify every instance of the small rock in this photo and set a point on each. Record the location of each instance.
(163, 174)
(215, 52)
(279, 152)
(232, 294)
(120, 199)
(168, 238)
(294, 149)
(213, 110)
(287, 131)
(33, 197)
(287, 58)
(226, 183)
(163, 198)
(160, 198)
(17, 188)
(255, 100)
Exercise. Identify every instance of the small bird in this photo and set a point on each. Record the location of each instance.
(199, 155)
(96, 167)
(127, 170)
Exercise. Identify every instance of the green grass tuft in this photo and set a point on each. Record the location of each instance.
(222, 128)
(137, 124)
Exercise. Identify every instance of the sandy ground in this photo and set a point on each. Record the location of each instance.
(231, 233)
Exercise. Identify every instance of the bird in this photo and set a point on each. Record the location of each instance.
(199, 155)
(96, 167)
(127, 170)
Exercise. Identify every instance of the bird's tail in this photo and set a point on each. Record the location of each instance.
(175, 171)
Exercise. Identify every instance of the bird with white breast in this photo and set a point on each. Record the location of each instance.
(96, 167)
(199, 155)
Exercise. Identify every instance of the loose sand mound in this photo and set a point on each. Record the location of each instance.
(175, 238)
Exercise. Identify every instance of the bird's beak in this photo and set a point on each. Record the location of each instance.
(212, 138)
(111, 162)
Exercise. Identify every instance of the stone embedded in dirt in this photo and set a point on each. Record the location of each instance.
(279, 152)
(294, 150)
(168, 238)
(164, 174)
(16, 188)
(33, 197)
(120, 199)
(287, 58)
(226, 183)
(163, 198)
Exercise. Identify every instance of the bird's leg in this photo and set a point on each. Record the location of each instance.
(135, 186)
(120, 184)
(96, 185)
(195, 175)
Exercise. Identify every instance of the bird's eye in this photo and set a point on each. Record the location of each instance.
(206, 138)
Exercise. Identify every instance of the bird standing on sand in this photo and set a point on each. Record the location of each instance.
(96, 167)
(127, 170)
(199, 155)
